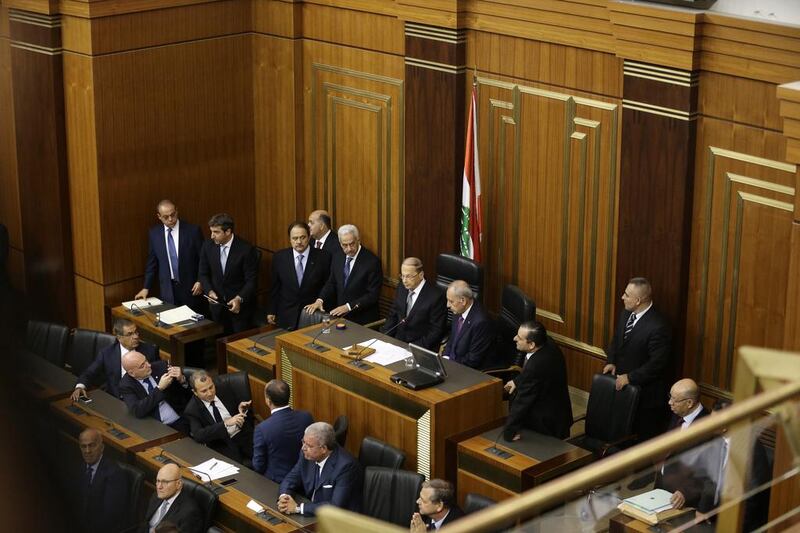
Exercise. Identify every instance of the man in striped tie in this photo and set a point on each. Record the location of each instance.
(640, 354)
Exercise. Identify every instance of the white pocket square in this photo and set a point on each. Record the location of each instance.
(327, 486)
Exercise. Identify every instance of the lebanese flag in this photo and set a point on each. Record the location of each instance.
(471, 218)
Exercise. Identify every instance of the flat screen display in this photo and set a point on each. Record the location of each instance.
(428, 360)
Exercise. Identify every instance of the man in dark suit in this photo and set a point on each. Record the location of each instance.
(320, 224)
(172, 505)
(218, 418)
(154, 390)
(277, 440)
(325, 474)
(298, 275)
(173, 254)
(354, 285)
(540, 396)
(471, 335)
(639, 354)
(419, 310)
(107, 366)
(100, 490)
(229, 272)
(437, 507)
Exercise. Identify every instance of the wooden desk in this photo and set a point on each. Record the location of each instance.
(254, 352)
(43, 380)
(417, 422)
(232, 512)
(169, 338)
(534, 459)
(121, 430)
(621, 523)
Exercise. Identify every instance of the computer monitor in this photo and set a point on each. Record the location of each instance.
(428, 360)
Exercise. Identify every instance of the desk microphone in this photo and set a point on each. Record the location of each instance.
(163, 458)
(136, 312)
(313, 344)
(360, 354)
(255, 349)
(157, 322)
(494, 450)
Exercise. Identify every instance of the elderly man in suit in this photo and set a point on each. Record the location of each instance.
(419, 310)
(229, 272)
(218, 418)
(100, 490)
(298, 275)
(277, 440)
(354, 285)
(172, 505)
(539, 395)
(325, 474)
(639, 354)
(437, 507)
(471, 334)
(173, 254)
(107, 366)
(320, 224)
(154, 390)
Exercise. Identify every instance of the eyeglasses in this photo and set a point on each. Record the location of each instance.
(134, 333)
(166, 481)
(408, 276)
(674, 400)
(308, 446)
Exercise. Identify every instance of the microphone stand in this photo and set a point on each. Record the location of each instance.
(313, 344)
(494, 450)
(255, 349)
(136, 312)
(362, 353)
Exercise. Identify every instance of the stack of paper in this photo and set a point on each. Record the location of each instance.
(142, 304)
(179, 314)
(214, 469)
(651, 507)
(385, 353)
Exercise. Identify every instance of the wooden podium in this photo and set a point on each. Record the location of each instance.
(328, 385)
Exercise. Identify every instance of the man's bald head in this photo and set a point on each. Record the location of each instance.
(319, 222)
(91, 443)
(136, 365)
(684, 397)
(168, 481)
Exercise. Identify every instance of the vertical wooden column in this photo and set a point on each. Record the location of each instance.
(36, 65)
(434, 139)
(786, 495)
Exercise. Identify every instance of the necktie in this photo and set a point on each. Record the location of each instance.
(409, 301)
(217, 416)
(298, 268)
(317, 475)
(223, 257)
(162, 510)
(459, 324)
(347, 268)
(88, 475)
(149, 386)
(318, 244)
(173, 254)
(629, 326)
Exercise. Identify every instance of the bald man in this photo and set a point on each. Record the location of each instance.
(170, 504)
(471, 336)
(322, 238)
(100, 489)
(154, 390)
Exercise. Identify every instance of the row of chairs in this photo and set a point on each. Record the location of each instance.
(58, 344)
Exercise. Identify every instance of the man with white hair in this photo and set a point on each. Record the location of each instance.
(353, 288)
(325, 474)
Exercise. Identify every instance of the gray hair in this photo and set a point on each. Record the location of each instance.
(324, 432)
(461, 289)
(348, 228)
(120, 324)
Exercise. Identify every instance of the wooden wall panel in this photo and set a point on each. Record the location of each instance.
(358, 29)
(744, 203)
(739, 100)
(353, 120)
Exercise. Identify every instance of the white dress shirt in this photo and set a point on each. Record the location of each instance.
(223, 412)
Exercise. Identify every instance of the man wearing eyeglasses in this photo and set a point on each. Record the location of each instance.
(419, 310)
(171, 505)
(325, 474)
(107, 366)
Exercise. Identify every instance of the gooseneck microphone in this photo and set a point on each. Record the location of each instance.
(361, 354)
(138, 311)
(313, 344)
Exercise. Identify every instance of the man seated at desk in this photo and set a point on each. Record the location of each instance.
(277, 440)
(471, 336)
(419, 310)
(108, 363)
(325, 474)
(437, 507)
(539, 395)
(171, 505)
(219, 419)
(154, 390)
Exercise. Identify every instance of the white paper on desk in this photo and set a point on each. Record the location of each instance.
(653, 501)
(179, 314)
(143, 304)
(254, 506)
(385, 353)
(214, 469)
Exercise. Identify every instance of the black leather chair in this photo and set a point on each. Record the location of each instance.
(205, 498)
(450, 267)
(238, 382)
(476, 502)
(340, 427)
(306, 320)
(135, 479)
(516, 308)
(609, 417)
(375, 452)
(188, 371)
(391, 494)
(48, 340)
(85, 346)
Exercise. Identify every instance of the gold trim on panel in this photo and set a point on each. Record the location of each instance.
(755, 160)
(424, 444)
(37, 49)
(762, 184)
(769, 202)
(683, 78)
(658, 110)
(34, 19)
(286, 373)
(433, 65)
(549, 316)
(435, 33)
(577, 345)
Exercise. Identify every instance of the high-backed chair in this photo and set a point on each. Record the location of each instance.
(85, 346)
(306, 320)
(391, 494)
(340, 427)
(205, 498)
(450, 267)
(476, 502)
(188, 371)
(609, 417)
(134, 479)
(516, 308)
(48, 340)
(375, 452)
(238, 382)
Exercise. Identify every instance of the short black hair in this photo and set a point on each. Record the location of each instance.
(278, 392)
(223, 220)
(537, 333)
(120, 324)
(298, 224)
